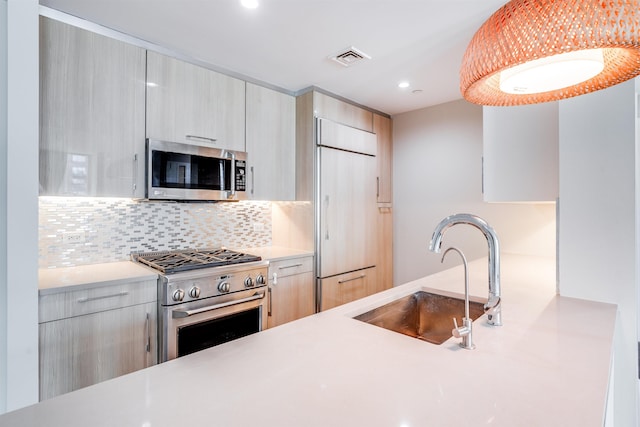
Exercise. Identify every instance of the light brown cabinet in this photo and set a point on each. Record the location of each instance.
(384, 263)
(347, 198)
(382, 127)
(347, 287)
(291, 290)
(372, 210)
(191, 104)
(270, 144)
(92, 108)
(91, 335)
(339, 111)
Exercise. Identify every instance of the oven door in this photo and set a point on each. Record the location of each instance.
(194, 326)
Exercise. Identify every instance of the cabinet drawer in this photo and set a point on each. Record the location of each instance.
(338, 290)
(289, 267)
(85, 301)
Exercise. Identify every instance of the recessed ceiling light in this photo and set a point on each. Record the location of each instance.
(403, 85)
(249, 4)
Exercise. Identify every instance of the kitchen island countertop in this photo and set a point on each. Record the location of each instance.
(548, 365)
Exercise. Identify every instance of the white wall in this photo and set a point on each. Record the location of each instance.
(437, 171)
(19, 199)
(597, 220)
(3, 200)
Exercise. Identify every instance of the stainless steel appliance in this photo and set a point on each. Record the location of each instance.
(177, 171)
(346, 212)
(206, 297)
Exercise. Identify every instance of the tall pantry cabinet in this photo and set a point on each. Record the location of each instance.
(383, 128)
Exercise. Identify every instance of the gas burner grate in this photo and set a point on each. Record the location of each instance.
(175, 261)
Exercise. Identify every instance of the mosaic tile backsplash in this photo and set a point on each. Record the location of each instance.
(113, 228)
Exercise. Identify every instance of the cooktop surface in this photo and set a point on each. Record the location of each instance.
(191, 259)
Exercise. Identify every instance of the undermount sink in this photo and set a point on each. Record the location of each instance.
(423, 315)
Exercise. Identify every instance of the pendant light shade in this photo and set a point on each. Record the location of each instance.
(533, 51)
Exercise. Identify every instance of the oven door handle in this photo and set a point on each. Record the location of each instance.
(186, 313)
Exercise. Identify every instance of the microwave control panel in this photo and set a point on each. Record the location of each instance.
(241, 175)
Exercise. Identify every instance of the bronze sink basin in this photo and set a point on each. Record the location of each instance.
(423, 315)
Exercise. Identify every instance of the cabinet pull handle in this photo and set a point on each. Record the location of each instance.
(253, 180)
(270, 298)
(290, 266)
(275, 278)
(352, 279)
(201, 138)
(89, 299)
(148, 325)
(377, 186)
(135, 172)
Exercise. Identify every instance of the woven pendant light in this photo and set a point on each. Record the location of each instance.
(605, 36)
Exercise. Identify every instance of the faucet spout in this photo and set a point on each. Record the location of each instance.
(492, 307)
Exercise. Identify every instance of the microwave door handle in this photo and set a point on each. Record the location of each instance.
(232, 192)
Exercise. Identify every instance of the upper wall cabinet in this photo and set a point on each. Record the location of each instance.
(520, 150)
(338, 111)
(271, 144)
(92, 91)
(191, 104)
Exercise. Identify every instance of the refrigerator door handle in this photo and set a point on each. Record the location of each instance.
(326, 216)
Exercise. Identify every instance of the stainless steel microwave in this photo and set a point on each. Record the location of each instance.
(177, 171)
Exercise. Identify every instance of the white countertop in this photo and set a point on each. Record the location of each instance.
(275, 253)
(548, 365)
(52, 280)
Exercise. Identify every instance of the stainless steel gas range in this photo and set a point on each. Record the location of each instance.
(206, 297)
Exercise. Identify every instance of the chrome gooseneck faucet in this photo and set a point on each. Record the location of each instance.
(492, 307)
(466, 330)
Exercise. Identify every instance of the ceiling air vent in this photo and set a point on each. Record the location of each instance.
(349, 56)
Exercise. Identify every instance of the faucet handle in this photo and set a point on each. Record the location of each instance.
(459, 332)
(463, 332)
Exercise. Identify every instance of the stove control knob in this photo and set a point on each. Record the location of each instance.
(178, 295)
(194, 292)
(224, 287)
(260, 279)
(248, 282)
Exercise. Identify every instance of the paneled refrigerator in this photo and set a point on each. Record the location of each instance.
(345, 213)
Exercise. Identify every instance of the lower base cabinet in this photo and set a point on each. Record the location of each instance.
(348, 287)
(384, 263)
(113, 338)
(291, 290)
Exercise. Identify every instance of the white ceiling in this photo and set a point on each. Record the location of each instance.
(286, 43)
